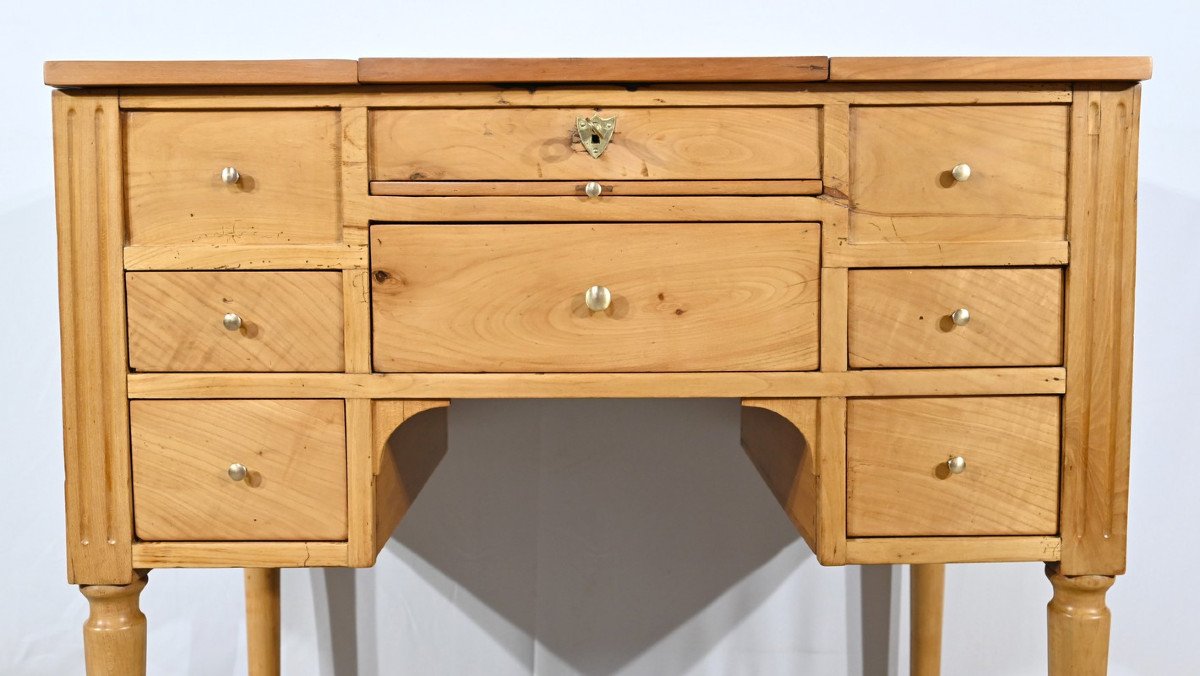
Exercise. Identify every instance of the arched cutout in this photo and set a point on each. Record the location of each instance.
(409, 440)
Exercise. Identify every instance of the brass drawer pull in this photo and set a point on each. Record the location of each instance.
(961, 316)
(597, 298)
(961, 172)
(232, 321)
(238, 472)
(230, 175)
(957, 464)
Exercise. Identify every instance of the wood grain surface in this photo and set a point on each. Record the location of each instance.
(896, 466)
(288, 193)
(295, 451)
(901, 318)
(530, 144)
(901, 186)
(291, 321)
(510, 298)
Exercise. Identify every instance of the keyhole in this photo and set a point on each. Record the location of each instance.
(595, 139)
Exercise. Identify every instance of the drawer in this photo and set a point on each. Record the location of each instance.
(906, 318)
(543, 144)
(898, 474)
(903, 186)
(278, 321)
(293, 450)
(287, 190)
(511, 298)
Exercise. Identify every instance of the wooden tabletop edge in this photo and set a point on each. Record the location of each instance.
(762, 69)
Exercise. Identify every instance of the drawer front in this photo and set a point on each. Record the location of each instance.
(906, 318)
(294, 452)
(898, 477)
(287, 189)
(902, 173)
(647, 144)
(285, 321)
(511, 298)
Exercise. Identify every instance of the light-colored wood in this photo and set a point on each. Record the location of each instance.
(834, 315)
(409, 440)
(354, 152)
(831, 481)
(114, 636)
(291, 321)
(938, 254)
(835, 159)
(901, 186)
(973, 549)
(262, 621)
(576, 188)
(1078, 623)
(510, 298)
(1099, 352)
(356, 301)
(647, 144)
(927, 585)
(239, 554)
(295, 451)
(632, 70)
(360, 492)
(139, 73)
(993, 68)
(88, 186)
(649, 96)
(780, 438)
(247, 257)
(898, 483)
(601, 209)
(288, 193)
(889, 383)
(902, 317)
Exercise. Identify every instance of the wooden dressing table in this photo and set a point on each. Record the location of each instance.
(916, 274)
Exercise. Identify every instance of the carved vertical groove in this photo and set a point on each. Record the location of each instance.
(92, 315)
(1100, 283)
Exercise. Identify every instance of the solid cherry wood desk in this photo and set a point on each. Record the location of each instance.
(916, 274)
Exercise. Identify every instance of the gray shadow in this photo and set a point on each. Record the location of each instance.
(596, 526)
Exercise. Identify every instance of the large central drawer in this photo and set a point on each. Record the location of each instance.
(511, 298)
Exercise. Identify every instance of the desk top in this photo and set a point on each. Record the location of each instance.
(599, 70)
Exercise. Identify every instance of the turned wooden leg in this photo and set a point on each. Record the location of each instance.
(1078, 622)
(114, 636)
(927, 585)
(262, 621)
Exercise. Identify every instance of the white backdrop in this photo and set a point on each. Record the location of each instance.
(599, 537)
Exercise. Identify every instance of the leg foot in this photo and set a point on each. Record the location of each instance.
(114, 636)
(262, 621)
(1078, 622)
(927, 584)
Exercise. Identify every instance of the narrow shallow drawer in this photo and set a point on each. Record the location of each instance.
(511, 298)
(235, 321)
(898, 466)
(903, 183)
(543, 144)
(288, 177)
(293, 451)
(907, 318)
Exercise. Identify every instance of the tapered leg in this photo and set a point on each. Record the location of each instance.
(262, 621)
(114, 636)
(1078, 622)
(927, 585)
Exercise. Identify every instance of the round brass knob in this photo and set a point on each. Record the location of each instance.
(232, 321)
(597, 298)
(593, 189)
(961, 316)
(961, 172)
(238, 471)
(230, 175)
(957, 464)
